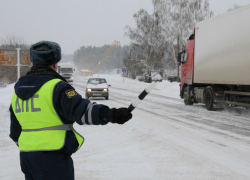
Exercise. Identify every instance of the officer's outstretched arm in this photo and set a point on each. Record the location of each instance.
(71, 108)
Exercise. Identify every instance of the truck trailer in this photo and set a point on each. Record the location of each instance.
(216, 61)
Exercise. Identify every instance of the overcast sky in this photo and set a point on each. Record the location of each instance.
(76, 23)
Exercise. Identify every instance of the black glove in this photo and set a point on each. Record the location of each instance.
(119, 116)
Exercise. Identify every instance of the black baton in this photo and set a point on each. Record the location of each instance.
(143, 94)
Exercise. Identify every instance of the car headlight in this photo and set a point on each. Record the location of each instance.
(88, 89)
(105, 89)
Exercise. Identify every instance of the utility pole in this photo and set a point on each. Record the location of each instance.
(18, 63)
(178, 50)
(179, 44)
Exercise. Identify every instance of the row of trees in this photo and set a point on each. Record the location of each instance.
(158, 37)
(155, 41)
(13, 42)
(89, 57)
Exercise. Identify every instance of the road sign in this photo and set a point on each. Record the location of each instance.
(124, 68)
(124, 75)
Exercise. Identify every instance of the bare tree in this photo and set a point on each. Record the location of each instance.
(145, 38)
(13, 42)
(177, 20)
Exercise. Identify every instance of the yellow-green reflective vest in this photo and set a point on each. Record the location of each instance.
(42, 128)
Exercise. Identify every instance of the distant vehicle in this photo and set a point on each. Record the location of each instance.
(66, 71)
(173, 78)
(86, 72)
(156, 77)
(97, 87)
(141, 78)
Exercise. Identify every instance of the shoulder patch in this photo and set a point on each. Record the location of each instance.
(71, 93)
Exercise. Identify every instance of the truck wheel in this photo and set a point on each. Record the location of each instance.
(209, 99)
(107, 98)
(86, 97)
(187, 101)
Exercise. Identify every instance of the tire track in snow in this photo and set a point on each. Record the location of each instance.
(219, 122)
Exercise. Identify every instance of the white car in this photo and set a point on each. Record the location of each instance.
(156, 77)
(97, 87)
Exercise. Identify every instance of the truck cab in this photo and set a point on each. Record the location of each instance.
(66, 71)
(186, 58)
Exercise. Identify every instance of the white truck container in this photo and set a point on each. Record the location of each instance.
(222, 49)
(66, 71)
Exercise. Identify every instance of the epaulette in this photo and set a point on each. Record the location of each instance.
(66, 82)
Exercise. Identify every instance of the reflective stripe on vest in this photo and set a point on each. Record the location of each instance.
(42, 128)
(66, 127)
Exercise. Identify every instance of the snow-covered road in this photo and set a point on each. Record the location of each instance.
(164, 140)
(178, 141)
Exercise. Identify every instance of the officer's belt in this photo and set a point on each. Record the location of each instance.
(66, 127)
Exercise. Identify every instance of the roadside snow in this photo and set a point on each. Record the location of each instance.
(6, 94)
(9, 153)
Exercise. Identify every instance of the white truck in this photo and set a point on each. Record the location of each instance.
(66, 71)
(216, 61)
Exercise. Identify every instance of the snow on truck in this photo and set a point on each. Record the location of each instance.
(66, 71)
(216, 61)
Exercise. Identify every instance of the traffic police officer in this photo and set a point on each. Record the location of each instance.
(43, 110)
